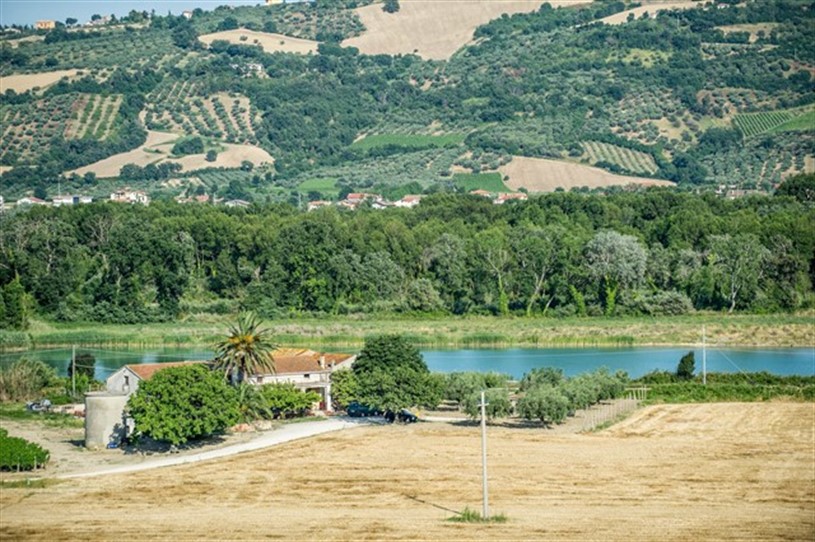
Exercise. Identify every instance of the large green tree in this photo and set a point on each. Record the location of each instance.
(184, 403)
(246, 350)
(391, 374)
(617, 261)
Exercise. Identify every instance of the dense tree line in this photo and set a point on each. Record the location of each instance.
(657, 252)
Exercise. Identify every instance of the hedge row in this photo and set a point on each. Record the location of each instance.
(17, 454)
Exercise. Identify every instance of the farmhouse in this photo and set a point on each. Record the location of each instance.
(126, 380)
(45, 25)
(510, 196)
(31, 200)
(130, 196)
(306, 369)
(409, 201)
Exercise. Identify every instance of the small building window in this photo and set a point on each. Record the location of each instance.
(306, 376)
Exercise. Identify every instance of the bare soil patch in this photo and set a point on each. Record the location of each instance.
(434, 30)
(270, 43)
(690, 472)
(26, 81)
(651, 7)
(543, 175)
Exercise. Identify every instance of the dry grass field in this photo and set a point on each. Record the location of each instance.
(27, 81)
(651, 7)
(543, 175)
(690, 472)
(433, 29)
(157, 150)
(146, 154)
(230, 157)
(271, 43)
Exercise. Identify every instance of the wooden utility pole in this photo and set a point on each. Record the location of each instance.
(486, 511)
(73, 370)
(704, 357)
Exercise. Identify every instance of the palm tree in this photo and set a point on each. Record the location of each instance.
(246, 350)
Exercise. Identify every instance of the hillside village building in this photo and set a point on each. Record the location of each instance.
(130, 196)
(45, 25)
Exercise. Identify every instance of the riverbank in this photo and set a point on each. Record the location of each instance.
(782, 330)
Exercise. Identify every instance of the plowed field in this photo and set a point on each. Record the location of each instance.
(690, 472)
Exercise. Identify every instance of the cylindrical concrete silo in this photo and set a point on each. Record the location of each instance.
(104, 419)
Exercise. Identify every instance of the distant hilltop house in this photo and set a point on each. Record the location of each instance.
(512, 196)
(31, 200)
(312, 205)
(408, 201)
(237, 203)
(355, 199)
(186, 14)
(273, 2)
(130, 196)
(70, 200)
(45, 24)
(501, 197)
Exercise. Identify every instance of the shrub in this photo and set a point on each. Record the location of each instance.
(545, 403)
(18, 454)
(184, 403)
(25, 379)
(286, 401)
(459, 386)
(498, 403)
(684, 371)
(540, 376)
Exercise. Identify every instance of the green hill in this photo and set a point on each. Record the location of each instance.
(636, 97)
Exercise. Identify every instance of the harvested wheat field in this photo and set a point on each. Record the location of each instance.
(433, 29)
(27, 81)
(689, 472)
(651, 7)
(230, 157)
(543, 175)
(271, 43)
(154, 150)
(157, 150)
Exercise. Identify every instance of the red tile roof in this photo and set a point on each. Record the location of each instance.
(145, 371)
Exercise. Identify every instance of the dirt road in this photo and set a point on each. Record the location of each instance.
(689, 472)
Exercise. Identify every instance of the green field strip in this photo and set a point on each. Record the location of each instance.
(412, 141)
(491, 182)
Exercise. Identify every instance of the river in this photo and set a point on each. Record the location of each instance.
(515, 362)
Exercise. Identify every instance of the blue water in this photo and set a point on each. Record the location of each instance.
(635, 361)
(515, 362)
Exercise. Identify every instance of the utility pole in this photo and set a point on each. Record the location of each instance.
(486, 511)
(704, 357)
(73, 370)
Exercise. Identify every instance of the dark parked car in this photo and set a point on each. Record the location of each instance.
(357, 410)
(406, 416)
(403, 416)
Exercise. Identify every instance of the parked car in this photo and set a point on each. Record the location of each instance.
(39, 406)
(403, 416)
(406, 416)
(357, 410)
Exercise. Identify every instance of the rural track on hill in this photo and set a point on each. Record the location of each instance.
(283, 435)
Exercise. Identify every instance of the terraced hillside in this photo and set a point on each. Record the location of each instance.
(178, 106)
(360, 97)
(29, 129)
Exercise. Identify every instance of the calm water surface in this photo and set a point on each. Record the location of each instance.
(516, 361)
